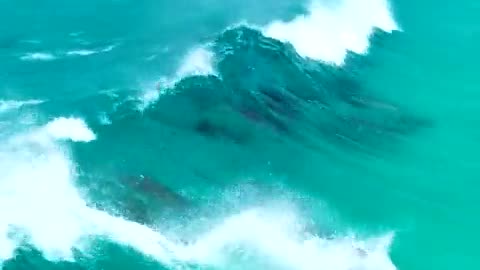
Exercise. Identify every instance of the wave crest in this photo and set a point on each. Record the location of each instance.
(328, 32)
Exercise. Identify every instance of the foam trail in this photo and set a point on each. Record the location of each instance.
(330, 30)
(38, 56)
(128, 233)
(327, 33)
(8, 105)
(86, 52)
(108, 48)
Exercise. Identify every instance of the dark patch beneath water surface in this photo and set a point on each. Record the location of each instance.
(265, 82)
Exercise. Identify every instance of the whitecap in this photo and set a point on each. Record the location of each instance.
(199, 61)
(108, 48)
(74, 129)
(327, 33)
(330, 30)
(149, 96)
(274, 237)
(38, 56)
(40, 199)
(37, 194)
(82, 52)
(104, 119)
(87, 52)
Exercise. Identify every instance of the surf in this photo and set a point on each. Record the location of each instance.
(284, 83)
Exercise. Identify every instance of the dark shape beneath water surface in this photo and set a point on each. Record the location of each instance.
(268, 84)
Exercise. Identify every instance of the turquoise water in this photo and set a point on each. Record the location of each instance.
(239, 135)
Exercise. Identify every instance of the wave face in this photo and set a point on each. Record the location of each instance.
(81, 173)
(212, 135)
(261, 82)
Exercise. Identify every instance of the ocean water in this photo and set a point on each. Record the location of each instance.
(322, 134)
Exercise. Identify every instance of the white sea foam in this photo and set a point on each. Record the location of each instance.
(108, 48)
(39, 198)
(253, 237)
(199, 61)
(74, 129)
(327, 33)
(38, 56)
(38, 194)
(8, 105)
(149, 96)
(104, 119)
(274, 237)
(36, 191)
(332, 29)
(81, 52)
(87, 52)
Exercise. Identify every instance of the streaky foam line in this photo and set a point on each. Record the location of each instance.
(8, 105)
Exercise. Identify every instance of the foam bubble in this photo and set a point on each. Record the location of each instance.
(38, 56)
(74, 129)
(8, 105)
(328, 32)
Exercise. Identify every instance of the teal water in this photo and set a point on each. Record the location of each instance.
(238, 134)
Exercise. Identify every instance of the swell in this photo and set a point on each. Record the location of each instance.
(254, 103)
(248, 97)
(259, 84)
(214, 122)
